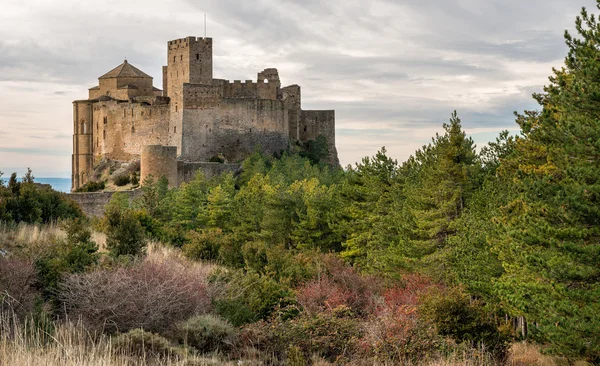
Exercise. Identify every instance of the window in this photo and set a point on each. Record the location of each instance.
(132, 129)
(104, 135)
(175, 108)
(105, 120)
(124, 113)
(175, 129)
(197, 57)
(181, 58)
(174, 59)
(305, 128)
(83, 127)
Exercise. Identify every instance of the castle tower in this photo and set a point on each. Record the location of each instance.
(83, 155)
(189, 61)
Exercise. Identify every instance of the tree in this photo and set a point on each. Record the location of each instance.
(124, 233)
(441, 178)
(549, 247)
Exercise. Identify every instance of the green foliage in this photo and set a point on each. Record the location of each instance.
(92, 187)
(317, 151)
(30, 202)
(333, 336)
(76, 254)
(206, 333)
(549, 245)
(122, 180)
(124, 233)
(205, 245)
(249, 297)
(139, 343)
(216, 159)
(456, 315)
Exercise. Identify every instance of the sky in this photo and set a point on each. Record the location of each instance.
(394, 70)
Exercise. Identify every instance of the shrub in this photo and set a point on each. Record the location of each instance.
(141, 344)
(122, 180)
(150, 294)
(339, 285)
(216, 159)
(206, 333)
(124, 233)
(204, 245)
(333, 336)
(17, 286)
(456, 315)
(92, 187)
(248, 296)
(74, 255)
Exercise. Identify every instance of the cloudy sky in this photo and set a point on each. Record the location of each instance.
(393, 70)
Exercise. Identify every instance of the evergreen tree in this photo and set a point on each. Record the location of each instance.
(550, 249)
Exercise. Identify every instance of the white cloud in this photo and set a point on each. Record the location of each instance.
(394, 70)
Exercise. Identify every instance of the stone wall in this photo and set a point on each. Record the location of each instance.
(93, 204)
(319, 123)
(235, 129)
(158, 161)
(121, 129)
(186, 171)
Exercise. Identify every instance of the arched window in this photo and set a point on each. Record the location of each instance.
(83, 127)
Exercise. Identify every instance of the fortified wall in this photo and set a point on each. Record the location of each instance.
(194, 119)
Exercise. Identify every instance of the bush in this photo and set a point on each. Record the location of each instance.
(17, 286)
(122, 180)
(339, 285)
(333, 336)
(92, 187)
(204, 245)
(124, 233)
(206, 333)
(141, 344)
(148, 294)
(248, 296)
(74, 255)
(456, 315)
(216, 159)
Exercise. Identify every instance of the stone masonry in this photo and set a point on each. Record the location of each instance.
(199, 116)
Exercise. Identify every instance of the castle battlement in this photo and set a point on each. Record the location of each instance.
(198, 116)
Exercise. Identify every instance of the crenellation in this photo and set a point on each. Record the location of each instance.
(195, 117)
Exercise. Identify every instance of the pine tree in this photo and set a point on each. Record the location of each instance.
(550, 248)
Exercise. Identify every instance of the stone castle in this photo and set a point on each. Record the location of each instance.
(192, 120)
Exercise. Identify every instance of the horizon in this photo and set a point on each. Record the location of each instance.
(393, 71)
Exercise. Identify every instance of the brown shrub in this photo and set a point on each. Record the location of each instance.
(340, 284)
(151, 294)
(17, 291)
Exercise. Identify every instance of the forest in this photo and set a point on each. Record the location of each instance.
(457, 256)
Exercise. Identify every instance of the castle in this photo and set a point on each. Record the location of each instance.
(192, 120)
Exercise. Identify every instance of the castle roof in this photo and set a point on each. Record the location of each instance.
(125, 70)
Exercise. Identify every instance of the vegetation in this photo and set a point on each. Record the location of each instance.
(295, 262)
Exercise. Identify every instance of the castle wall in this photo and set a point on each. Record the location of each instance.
(186, 171)
(319, 123)
(158, 161)
(122, 129)
(235, 128)
(291, 96)
(82, 158)
(93, 204)
(189, 60)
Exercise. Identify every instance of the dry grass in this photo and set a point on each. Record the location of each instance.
(71, 345)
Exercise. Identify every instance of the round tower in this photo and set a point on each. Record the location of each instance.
(158, 161)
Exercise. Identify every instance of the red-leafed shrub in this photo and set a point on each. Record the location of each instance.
(17, 291)
(339, 284)
(396, 333)
(151, 295)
